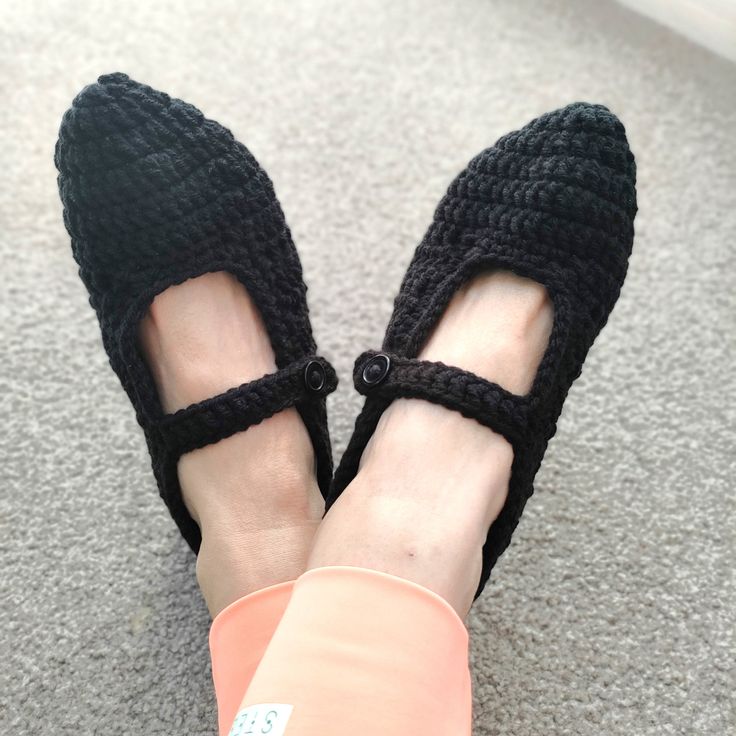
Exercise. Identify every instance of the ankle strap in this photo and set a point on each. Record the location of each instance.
(307, 380)
(386, 376)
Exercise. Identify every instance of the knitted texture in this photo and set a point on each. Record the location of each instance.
(554, 202)
(155, 194)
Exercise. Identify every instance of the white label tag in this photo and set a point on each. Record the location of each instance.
(264, 718)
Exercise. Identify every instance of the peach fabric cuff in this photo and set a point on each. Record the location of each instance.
(362, 652)
(239, 636)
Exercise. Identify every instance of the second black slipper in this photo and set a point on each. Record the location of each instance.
(554, 202)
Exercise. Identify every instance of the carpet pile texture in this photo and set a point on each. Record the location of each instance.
(612, 611)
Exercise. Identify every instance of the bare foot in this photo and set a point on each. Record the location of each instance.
(431, 482)
(254, 495)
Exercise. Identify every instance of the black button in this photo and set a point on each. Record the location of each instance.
(314, 376)
(376, 369)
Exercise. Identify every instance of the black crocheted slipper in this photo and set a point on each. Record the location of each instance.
(155, 194)
(554, 202)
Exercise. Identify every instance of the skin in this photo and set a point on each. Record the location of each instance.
(430, 482)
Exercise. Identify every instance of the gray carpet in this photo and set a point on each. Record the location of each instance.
(612, 613)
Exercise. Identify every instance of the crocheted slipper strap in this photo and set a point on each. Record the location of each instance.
(387, 377)
(221, 416)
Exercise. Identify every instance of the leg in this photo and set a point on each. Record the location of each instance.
(372, 640)
(254, 495)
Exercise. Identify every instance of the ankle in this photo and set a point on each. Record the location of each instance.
(369, 528)
(232, 563)
(255, 479)
(257, 501)
(257, 518)
(395, 516)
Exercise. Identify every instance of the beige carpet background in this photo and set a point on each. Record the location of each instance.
(612, 613)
